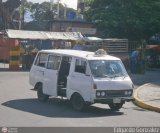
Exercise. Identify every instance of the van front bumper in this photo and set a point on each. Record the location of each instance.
(111, 99)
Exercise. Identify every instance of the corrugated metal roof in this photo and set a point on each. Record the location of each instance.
(92, 39)
(115, 40)
(42, 35)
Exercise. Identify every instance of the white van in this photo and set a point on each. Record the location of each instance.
(82, 77)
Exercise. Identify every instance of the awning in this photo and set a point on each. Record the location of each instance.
(115, 40)
(96, 39)
(42, 35)
(92, 39)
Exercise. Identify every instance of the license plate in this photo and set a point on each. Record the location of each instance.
(116, 100)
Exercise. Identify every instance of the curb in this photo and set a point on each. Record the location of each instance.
(142, 104)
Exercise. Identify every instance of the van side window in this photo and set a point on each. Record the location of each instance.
(53, 62)
(41, 59)
(80, 66)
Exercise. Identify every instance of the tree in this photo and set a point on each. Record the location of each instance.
(42, 15)
(8, 12)
(24, 9)
(132, 19)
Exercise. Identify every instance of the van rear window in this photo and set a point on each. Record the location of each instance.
(41, 60)
(53, 62)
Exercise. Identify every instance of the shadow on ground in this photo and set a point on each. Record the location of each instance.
(7, 70)
(135, 108)
(58, 108)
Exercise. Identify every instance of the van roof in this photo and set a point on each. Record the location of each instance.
(78, 53)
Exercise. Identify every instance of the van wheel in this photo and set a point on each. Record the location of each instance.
(41, 96)
(115, 106)
(78, 103)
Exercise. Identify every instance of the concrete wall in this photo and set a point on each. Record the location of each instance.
(62, 26)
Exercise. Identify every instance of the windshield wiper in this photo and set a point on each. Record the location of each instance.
(107, 76)
(119, 75)
(102, 76)
(124, 76)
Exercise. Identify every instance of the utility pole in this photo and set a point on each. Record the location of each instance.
(51, 16)
(1, 19)
(20, 16)
(65, 11)
(80, 8)
(2, 15)
(51, 5)
(58, 2)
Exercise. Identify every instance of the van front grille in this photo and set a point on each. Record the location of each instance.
(115, 93)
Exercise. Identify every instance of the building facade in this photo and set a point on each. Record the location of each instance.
(86, 28)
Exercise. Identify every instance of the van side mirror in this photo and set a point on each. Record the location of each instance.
(87, 73)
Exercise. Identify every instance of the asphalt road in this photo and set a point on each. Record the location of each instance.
(19, 107)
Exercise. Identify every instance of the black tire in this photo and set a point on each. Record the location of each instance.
(115, 106)
(41, 96)
(77, 102)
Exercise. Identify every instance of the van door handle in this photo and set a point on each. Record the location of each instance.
(41, 72)
(73, 76)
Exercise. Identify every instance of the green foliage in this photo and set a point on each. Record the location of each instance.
(42, 15)
(11, 5)
(39, 11)
(35, 25)
(8, 12)
(26, 6)
(132, 19)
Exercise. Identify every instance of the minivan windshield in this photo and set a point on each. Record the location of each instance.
(107, 68)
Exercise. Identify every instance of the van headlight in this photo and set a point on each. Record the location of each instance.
(100, 94)
(128, 92)
(103, 93)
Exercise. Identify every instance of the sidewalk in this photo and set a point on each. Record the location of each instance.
(147, 94)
